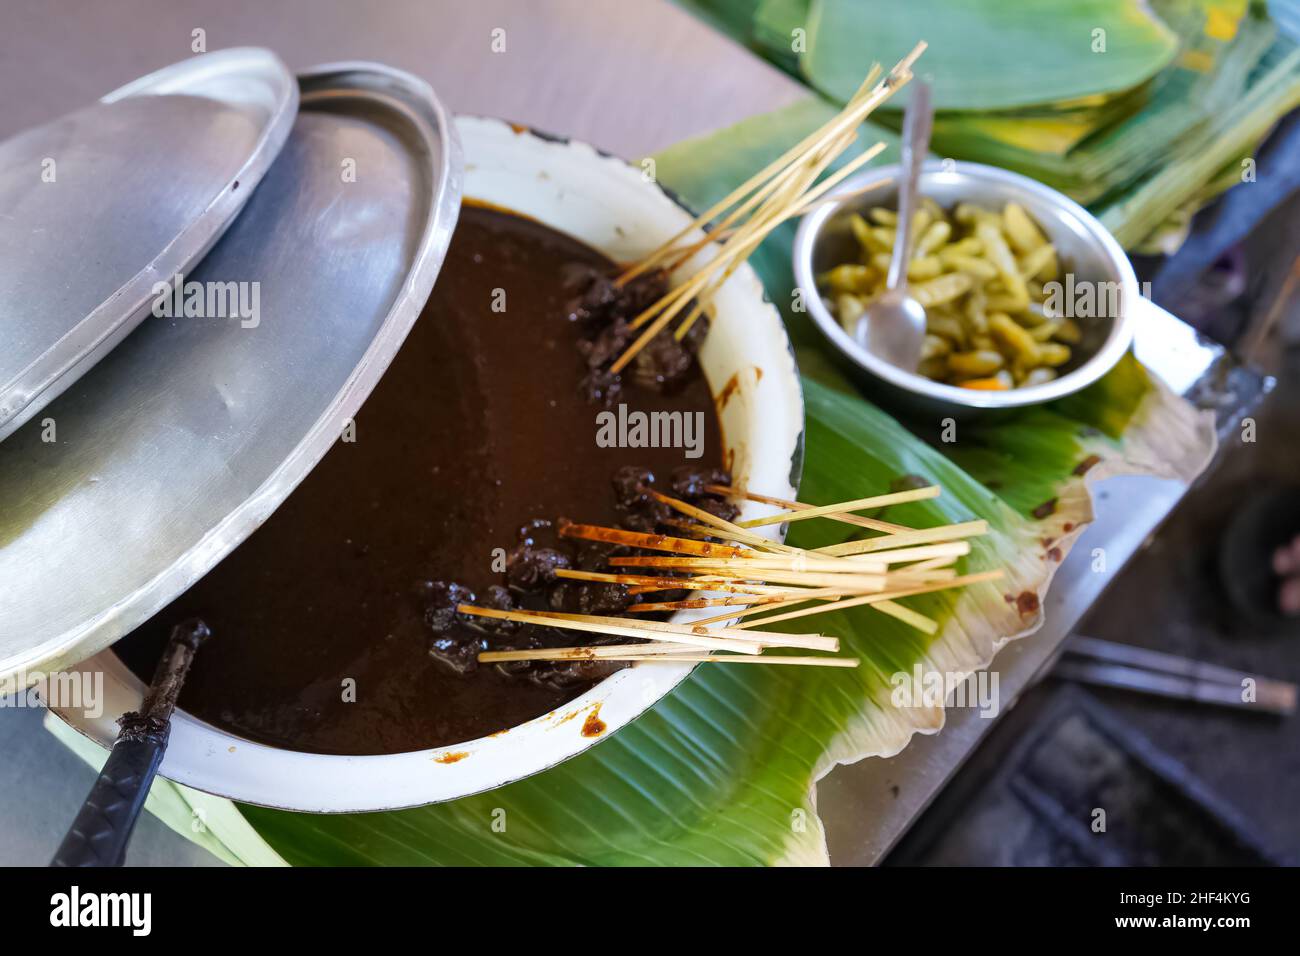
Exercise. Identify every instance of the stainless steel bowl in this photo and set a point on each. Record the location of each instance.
(1085, 249)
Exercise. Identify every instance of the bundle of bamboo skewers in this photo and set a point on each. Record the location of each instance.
(759, 581)
(756, 580)
(785, 189)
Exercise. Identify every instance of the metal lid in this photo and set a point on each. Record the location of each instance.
(102, 204)
(178, 444)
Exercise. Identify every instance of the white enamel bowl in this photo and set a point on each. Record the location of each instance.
(747, 360)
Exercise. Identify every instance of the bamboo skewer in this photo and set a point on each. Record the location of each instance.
(736, 250)
(652, 542)
(588, 653)
(781, 598)
(848, 120)
(856, 601)
(739, 535)
(618, 628)
(651, 583)
(731, 659)
(809, 205)
(683, 633)
(789, 603)
(943, 551)
(866, 582)
(825, 560)
(785, 188)
(723, 229)
(808, 571)
(708, 518)
(933, 564)
(654, 607)
(873, 523)
(905, 614)
(762, 587)
(861, 105)
(749, 586)
(628, 652)
(876, 501)
(879, 546)
(743, 564)
(875, 598)
(720, 275)
(700, 530)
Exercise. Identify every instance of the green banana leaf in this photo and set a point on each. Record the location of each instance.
(1093, 152)
(732, 17)
(775, 27)
(1274, 92)
(1169, 236)
(723, 770)
(1029, 52)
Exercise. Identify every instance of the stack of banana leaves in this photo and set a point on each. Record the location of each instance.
(1142, 111)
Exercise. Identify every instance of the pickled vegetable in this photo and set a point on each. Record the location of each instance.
(980, 273)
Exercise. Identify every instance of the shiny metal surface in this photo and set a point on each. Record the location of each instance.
(1084, 246)
(101, 204)
(893, 327)
(178, 444)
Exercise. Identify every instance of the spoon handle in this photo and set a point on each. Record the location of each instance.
(916, 141)
(103, 827)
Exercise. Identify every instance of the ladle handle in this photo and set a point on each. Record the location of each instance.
(99, 835)
(102, 829)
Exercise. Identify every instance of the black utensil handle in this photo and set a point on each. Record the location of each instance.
(99, 834)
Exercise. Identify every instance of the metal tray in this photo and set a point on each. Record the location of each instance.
(102, 204)
(185, 438)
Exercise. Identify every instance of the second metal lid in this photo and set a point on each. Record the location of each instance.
(103, 204)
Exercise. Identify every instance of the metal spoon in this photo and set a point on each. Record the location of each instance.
(893, 326)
